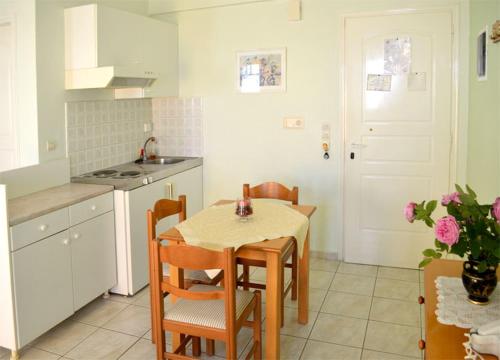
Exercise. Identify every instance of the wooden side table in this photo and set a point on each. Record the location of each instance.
(442, 341)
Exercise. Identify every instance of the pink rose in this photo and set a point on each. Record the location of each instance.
(495, 210)
(453, 197)
(447, 230)
(410, 211)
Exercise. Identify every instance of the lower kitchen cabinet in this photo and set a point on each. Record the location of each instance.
(43, 287)
(93, 258)
(55, 274)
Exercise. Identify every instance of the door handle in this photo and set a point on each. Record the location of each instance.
(169, 190)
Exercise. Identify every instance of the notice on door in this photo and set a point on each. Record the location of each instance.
(377, 82)
(397, 56)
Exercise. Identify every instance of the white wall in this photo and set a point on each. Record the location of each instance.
(244, 139)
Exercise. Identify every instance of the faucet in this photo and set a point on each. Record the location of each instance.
(145, 156)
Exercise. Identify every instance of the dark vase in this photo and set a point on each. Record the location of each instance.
(479, 285)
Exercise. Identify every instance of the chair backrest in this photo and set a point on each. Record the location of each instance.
(162, 209)
(196, 258)
(272, 190)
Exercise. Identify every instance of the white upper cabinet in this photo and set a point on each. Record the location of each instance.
(110, 48)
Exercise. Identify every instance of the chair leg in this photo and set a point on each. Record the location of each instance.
(231, 351)
(257, 334)
(210, 344)
(196, 346)
(160, 343)
(295, 261)
(246, 276)
(282, 305)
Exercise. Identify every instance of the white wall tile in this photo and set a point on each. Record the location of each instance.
(106, 133)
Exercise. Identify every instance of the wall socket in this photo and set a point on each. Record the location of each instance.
(293, 123)
(50, 145)
(147, 127)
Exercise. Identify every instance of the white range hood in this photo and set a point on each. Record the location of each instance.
(109, 77)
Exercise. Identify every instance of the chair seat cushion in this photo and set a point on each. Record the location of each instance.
(197, 275)
(209, 313)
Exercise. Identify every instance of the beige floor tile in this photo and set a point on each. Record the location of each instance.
(316, 350)
(395, 311)
(168, 336)
(398, 274)
(64, 337)
(375, 355)
(141, 350)
(292, 326)
(345, 304)
(339, 330)
(396, 289)
(324, 264)
(98, 312)
(290, 348)
(244, 337)
(320, 279)
(392, 338)
(103, 344)
(355, 284)
(134, 320)
(316, 297)
(32, 353)
(357, 269)
(143, 298)
(259, 275)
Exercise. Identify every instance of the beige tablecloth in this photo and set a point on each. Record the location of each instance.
(217, 227)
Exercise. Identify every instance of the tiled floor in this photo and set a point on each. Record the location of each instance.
(356, 312)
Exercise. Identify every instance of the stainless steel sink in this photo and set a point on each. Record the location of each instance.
(163, 161)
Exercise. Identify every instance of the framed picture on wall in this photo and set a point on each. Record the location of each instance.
(261, 71)
(482, 55)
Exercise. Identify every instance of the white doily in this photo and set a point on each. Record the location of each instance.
(453, 308)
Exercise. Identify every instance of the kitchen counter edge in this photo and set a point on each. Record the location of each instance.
(31, 206)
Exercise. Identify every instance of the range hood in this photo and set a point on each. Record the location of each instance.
(109, 77)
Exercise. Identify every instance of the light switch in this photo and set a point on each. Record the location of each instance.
(293, 123)
(147, 127)
(51, 146)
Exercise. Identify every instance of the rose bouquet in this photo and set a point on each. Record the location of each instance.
(469, 229)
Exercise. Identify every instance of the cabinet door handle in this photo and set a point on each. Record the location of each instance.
(65, 242)
(43, 227)
(93, 208)
(76, 236)
(169, 190)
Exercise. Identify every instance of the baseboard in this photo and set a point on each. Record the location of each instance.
(323, 255)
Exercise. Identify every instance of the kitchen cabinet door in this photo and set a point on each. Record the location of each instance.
(189, 183)
(42, 286)
(160, 56)
(93, 258)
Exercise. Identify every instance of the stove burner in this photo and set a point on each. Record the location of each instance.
(128, 174)
(104, 173)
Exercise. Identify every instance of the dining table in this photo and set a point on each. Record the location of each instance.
(271, 251)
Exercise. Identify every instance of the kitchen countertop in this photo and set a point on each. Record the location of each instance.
(33, 205)
(150, 173)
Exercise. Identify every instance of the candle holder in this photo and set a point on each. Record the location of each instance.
(244, 208)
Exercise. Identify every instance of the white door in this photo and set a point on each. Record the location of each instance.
(8, 143)
(398, 96)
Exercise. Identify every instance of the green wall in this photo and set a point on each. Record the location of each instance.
(483, 163)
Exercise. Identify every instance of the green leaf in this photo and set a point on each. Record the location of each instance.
(431, 206)
(424, 262)
(429, 253)
(459, 189)
(440, 245)
(482, 266)
(470, 191)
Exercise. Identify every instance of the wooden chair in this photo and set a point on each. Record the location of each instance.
(203, 310)
(273, 190)
(164, 208)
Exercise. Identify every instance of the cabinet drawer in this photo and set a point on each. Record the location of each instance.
(91, 208)
(36, 229)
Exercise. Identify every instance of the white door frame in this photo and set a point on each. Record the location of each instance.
(458, 128)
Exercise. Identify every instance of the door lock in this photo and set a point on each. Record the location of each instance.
(352, 156)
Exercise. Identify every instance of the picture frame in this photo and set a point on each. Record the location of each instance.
(482, 55)
(260, 71)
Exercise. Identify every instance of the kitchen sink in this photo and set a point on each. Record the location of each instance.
(163, 161)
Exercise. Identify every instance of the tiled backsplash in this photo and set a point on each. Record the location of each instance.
(177, 126)
(105, 133)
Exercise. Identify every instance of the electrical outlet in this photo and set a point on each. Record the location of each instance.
(293, 123)
(147, 127)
